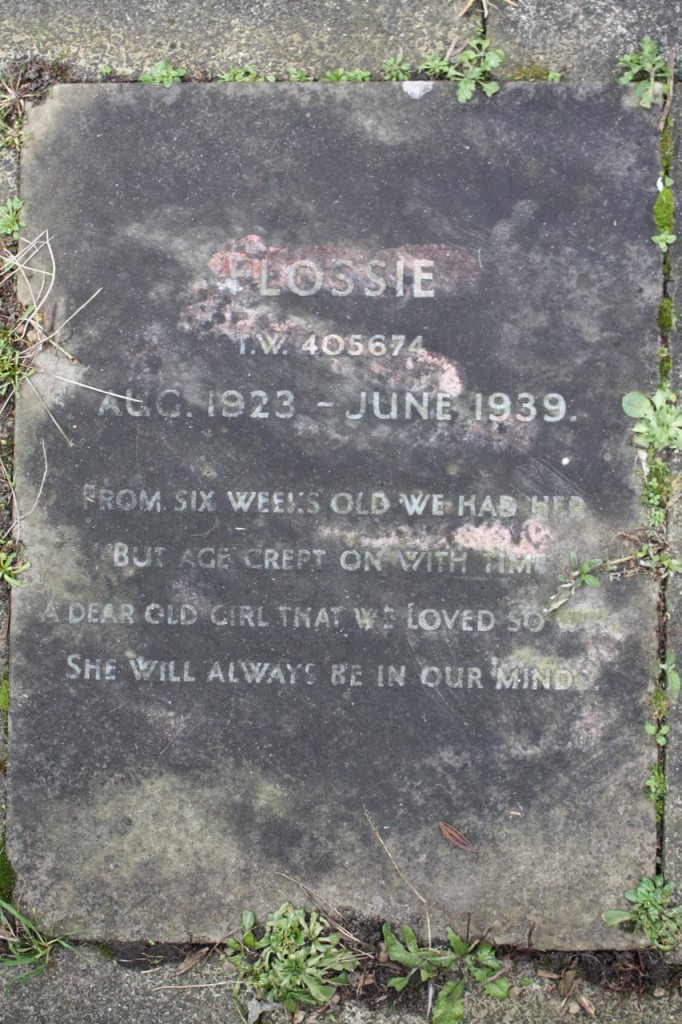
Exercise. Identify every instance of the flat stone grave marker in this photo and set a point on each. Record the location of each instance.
(346, 402)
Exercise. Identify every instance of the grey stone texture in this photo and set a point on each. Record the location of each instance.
(9, 173)
(163, 806)
(210, 35)
(582, 40)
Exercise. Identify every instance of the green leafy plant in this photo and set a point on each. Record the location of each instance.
(14, 366)
(657, 789)
(435, 66)
(470, 68)
(664, 240)
(661, 561)
(645, 69)
(298, 961)
(24, 944)
(299, 75)
(659, 420)
(659, 732)
(163, 73)
(106, 70)
(10, 218)
(652, 912)
(342, 75)
(554, 76)
(12, 132)
(244, 74)
(11, 567)
(472, 961)
(660, 702)
(659, 488)
(395, 69)
(576, 574)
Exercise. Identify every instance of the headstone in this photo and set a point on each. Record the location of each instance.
(297, 505)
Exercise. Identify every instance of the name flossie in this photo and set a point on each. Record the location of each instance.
(343, 277)
(412, 271)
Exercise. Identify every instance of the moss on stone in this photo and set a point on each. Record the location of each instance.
(667, 146)
(664, 210)
(7, 876)
(4, 700)
(529, 72)
(667, 266)
(665, 363)
(665, 317)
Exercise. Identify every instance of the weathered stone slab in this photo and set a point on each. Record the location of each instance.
(374, 348)
(582, 39)
(212, 35)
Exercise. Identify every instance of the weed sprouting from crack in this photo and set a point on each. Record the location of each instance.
(25, 945)
(23, 81)
(247, 73)
(652, 911)
(469, 961)
(470, 66)
(163, 73)
(648, 71)
(297, 962)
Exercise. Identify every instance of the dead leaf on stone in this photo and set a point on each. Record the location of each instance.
(364, 981)
(587, 1006)
(549, 975)
(454, 836)
(191, 960)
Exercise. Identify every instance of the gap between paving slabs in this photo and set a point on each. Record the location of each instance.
(663, 650)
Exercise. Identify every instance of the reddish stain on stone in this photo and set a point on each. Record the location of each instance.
(534, 540)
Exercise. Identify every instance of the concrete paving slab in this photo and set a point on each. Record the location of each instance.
(168, 763)
(582, 40)
(210, 35)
